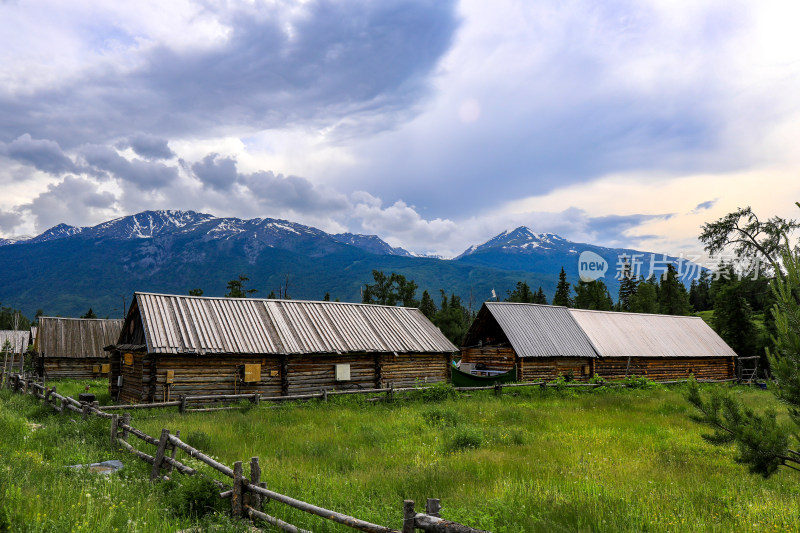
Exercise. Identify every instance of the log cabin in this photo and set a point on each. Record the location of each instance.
(74, 347)
(191, 345)
(544, 342)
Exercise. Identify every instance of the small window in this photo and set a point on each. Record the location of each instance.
(343, 372)
(128, 358)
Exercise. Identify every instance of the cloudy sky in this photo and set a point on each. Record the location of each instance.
(434, 124)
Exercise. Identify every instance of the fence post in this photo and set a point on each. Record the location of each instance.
(255, 479)
(432, 507)
(408, 516)
(126, 419)
(256, 398)
(182, 407)
(114, 423)
(159, 456)
(498, 389)
(324, 395)
(390, 394)
(85, 411)
(64, 403)
(173, 453)
(236, 495)
(47, 393)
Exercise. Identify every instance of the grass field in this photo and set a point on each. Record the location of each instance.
(605, 460)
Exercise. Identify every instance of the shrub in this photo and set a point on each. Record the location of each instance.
(465, 439)
(639, 382)
(193, 496)
(433, 393)
(440, 417)
(200, 440)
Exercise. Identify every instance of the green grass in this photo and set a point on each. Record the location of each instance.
(605, 460)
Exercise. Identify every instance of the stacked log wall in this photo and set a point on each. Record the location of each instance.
(666, 368)
(495, 358)
(73, 367)
(204, 375)
(408, 370)
(549, 368)
(135, 379)
(310, 374)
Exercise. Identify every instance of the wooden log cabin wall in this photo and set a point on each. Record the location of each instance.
(545, 342)
(74, 347)
(184, 345)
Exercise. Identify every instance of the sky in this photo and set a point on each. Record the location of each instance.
(433, 124)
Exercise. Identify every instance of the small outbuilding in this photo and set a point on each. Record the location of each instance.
(189, 345)
(543, 342)
(13, 346)
(74, 347)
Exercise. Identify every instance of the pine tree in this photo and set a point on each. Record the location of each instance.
(236, 287)
(521, 294)
(592, 295)
(627, 288)
(427, 306)
(539, 297)
(672, 296)
(195, 292)
(645, 299)
(89, 314)
(327, 297)
(563, 289)
(733, 319)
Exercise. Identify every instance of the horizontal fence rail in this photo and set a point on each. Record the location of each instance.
(246, 495)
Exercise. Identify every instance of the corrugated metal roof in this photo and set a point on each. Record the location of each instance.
(541, 330)
(644, 335)
(18, 340)
(203, 325)
(76, 337)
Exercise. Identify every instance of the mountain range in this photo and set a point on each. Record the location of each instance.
(67, 269)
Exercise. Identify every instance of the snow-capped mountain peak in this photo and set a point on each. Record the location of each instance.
(521, 239)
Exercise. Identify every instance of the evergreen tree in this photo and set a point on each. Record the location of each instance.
(539, 297)
(592, 295)
(563, 290)
(627, 288)
(733, 319)
(389, 290)
(645, 299)
(89, 314)
(699, 292)
(453, 319)
(271, 295)
(672, 296)
(327, 297)
(521, 294)
(236, 287)
(427, 306)
(195, 292)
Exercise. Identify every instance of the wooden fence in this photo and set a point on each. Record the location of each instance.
(247, 494)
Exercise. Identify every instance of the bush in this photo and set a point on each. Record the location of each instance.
(465, 439)
(200, 440)
(437, 392)
(193, 496)
(439, 417)
(639, 382)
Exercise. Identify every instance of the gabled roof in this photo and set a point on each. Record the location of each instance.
(637, 334)
(76, 337)
(539, 330)
(535, 330)
(203, 325)
(18, 340)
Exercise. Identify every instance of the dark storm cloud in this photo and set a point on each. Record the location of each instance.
(9, 220)
(339, 58)
(146, 175)
(295, 193)
(216, 172)
(149, 146)
(43, 154)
